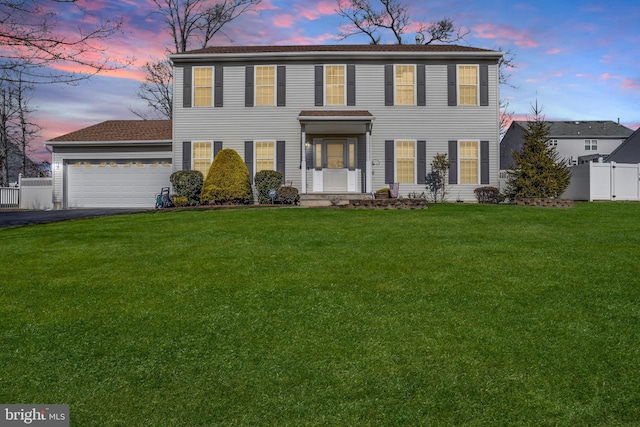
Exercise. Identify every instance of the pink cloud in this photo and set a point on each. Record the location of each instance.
(317, 10)
(630, 84)
(284, 21)
(505, 34)
(554, 51)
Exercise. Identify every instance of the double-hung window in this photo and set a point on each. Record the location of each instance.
(265, 155)
(265, 85)
(202, 86)
(405, 162)
(202, 156)
(405, 84)
(591, 144)
(468, 84)
(469, 162)
(334, 84)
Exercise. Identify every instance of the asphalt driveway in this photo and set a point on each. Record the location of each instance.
(21, 218)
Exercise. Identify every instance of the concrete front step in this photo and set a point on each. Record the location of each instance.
(326, 199)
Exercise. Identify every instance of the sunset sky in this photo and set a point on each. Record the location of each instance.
(580, 59)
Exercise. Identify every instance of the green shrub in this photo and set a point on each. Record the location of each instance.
(188, 184)
(180, 201)
(265, 181)
(487, 194)
(288, 195)
(227, 181)
(383, 191)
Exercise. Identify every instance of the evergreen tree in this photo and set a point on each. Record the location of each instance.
(538, 170)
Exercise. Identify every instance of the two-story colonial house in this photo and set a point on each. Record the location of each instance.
(341, 118)
(335, 120)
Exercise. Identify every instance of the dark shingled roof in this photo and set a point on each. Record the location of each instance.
(584, 129)
(335, 113)
(221, 50)
(121, 130)
(628, 152)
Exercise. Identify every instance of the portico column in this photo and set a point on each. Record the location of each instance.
(369, 170)
(303, 162)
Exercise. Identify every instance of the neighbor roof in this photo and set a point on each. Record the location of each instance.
(584, 129)
(121, 130)
(628, 152)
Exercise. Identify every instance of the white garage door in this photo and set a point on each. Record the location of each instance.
(119, 184)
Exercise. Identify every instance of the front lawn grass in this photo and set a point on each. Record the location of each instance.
(455, 315)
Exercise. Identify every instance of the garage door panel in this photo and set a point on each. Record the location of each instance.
(116, 183)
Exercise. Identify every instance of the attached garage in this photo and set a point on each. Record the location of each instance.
(115, 183)
(114, 164)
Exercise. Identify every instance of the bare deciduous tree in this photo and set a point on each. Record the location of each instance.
(191, 24)
(372, 18)
(32, 42)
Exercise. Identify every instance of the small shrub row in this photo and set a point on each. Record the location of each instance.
(487, 194)
(188, 185)
(265, 181)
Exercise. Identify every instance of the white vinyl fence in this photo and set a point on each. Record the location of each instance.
(604, 181)
(31, 193)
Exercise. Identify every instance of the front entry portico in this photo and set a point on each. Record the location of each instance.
(336, 151)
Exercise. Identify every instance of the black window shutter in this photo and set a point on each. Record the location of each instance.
(248, 86)
(422, 161)
(217, 97)
(351, 85)
(451, 85)
(319, 85)
(186, 86)
(484, 85)
(388, 84)
(217, 146)
(280, 158)
(281, 86)
(453, 160)
(421, 86)
(248, 158)
(389, 161)
(186, 155)
(484, 162)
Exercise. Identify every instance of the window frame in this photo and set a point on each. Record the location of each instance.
(326, 84)
(194, 158)
(459, 85)
(414, 84)
(273, 85)
(591, 145)
(396, 157)
(477, 160)
(195, 87)
(255, 154)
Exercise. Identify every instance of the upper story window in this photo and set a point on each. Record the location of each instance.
(265, 155)
(468, 84)
(202, 86)
(265, 85)
(552, 143)
(590, 144)
(334, 84)
(202, 156)
(405, 84)
(469, 162)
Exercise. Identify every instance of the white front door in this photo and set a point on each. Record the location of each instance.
(334, 164)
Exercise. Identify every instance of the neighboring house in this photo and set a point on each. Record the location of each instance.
(574, 141)
(628, 152)
(342, 119)
(117, 163)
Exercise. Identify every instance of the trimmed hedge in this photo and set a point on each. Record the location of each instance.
(188, 184)
(265, 181)
(288, 195)
(487, 194)
(227, 181)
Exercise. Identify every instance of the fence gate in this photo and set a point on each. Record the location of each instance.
(9, 197)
